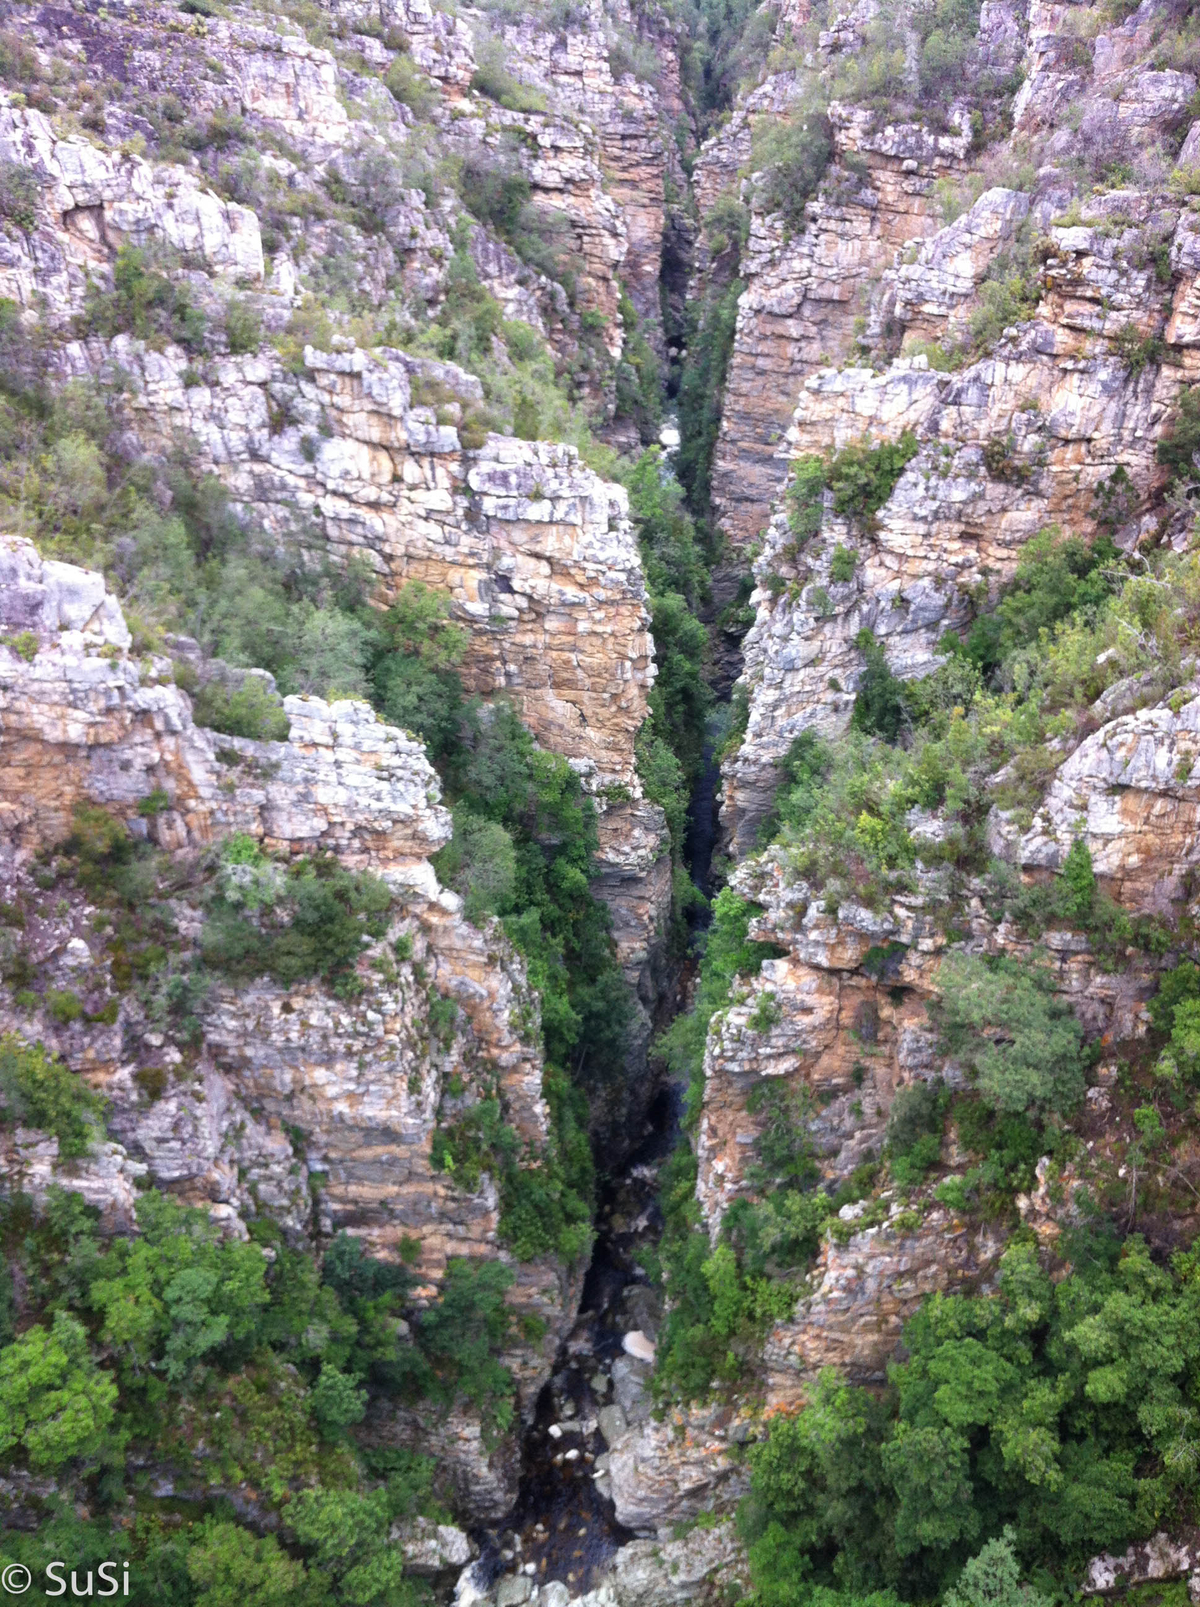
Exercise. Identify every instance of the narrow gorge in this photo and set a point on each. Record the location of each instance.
(599, 811)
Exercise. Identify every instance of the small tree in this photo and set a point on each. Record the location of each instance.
(993, 1579)
(234, 1568)
(55, 1403)
(1003, 1022)
(1079, 881)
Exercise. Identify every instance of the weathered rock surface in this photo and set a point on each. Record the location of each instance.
(1127, 792)
(706, 1564)
(1022, 439)
(293, 1095)
(689, 1462)
(804, 291)
(1163, 1556)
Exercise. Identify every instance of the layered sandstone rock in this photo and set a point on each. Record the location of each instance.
(852, 1025)
(1030, 436)
(535, 551)
(92, 201)
(865, 1290)
(1128, 793)
(685, 1464)
(804, 292)
(317, 1109)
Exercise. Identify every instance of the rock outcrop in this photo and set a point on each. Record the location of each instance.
(315, 1108)
(804, 292)
(1057, 427)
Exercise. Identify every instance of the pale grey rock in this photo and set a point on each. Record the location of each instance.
(706, 1564)
(613, 1422)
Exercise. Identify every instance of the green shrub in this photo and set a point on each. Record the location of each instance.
(496, 191)
(36, 1091)
(1003, 1022)
(229, 1566)
(19, 195)
(793, 156)
(414, 679)
(842, 564)
(56, 1405)
(914, 1134)
(243, 326)
(250, 710)
(709, 337)
(154, 803)
(347, 1534)
(1079, 881)
(1008, 295)
(312, 925)
(639, 382)
(879, 704)
(806, 498)
(863, 477)
(993, 1579)
(177, 1300)
(1055, 578)
(64, 1005)
(493, 79)
(1030, 1406)
(784, 1152)
(1177, 451)
(1175, 1010)
(410, 88)
(462, 1335)
(143, 302)
(480, 863)
(23, 643)
(337, 1402)
(1137, 351)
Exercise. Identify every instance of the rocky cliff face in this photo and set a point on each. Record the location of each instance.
(804, 291)
(288, 1100)
(276, 209)
(1028, 437)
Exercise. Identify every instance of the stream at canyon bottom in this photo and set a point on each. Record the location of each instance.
(564, 1526)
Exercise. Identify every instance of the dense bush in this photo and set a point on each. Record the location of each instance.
(1177, 451)
(56, 1405)
(414, 676)
(497, 192)
(145, 303)
(1021, 1044)
(1175, 1012)
(1056, 577)
(863, 477)
(709, 339)
(19, 195)
(1056, 1408)
(492, 78)
(718, 1300)
(793, 157)
(310, 922)
(38, 1091)
(239, 1369)
(914, 1133)
(409, 87)
(245, 711)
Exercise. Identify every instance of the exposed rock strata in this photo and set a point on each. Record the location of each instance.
(804, 292)
(291, 1086)
(1025, 438)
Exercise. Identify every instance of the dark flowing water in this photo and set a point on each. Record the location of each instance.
(564, 1524)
